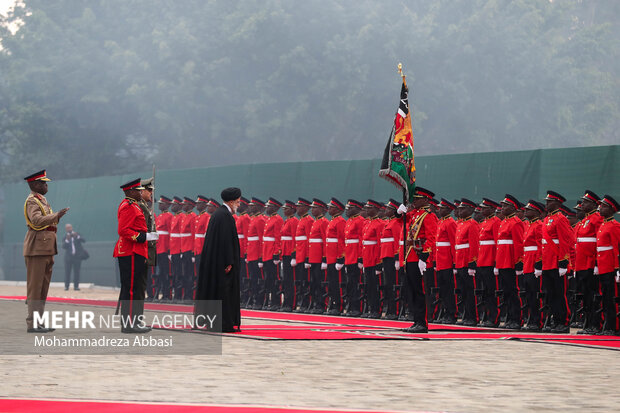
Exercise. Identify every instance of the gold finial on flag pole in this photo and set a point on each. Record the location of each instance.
(400, 72)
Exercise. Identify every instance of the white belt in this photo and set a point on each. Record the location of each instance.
(253, 238)
(461, 246)
(607, 248)
(269, 239)
(369, 242)
(586, 239)
(163, 232)
(555, 241)
(504, 242)
(331, 240)
(487, 242)
(175, 235)
(532, 248)
(316, 240)
(351, 241)
(442, 244)
(200, 235)
(186, 234)
(241, 236)
(301, 238)
(387, 239)
(285, 238)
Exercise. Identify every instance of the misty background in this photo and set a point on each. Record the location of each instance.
(109, 87)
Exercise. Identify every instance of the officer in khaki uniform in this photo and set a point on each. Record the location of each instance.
(146, 205)
(39, 246)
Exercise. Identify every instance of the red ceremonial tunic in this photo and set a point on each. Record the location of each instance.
(254, 237)
(162, 224)
(371, 250)
(316, 241)
(421, 224)
(243, 223)
(302, 237)
(532, 246)
(131, 223)
(509, 242)
(608, 246)
(188, 231)
(558, 240)
(353, 231)
(585, 237)
(488, 241)
(444, 243)
(390, 237)
(334, 239)
(466, 243)
(271, 236)
(287, 235)
(175, 233)
(202, 222)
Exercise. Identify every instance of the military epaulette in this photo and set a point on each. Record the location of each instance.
(511, 215)
(611, 218)
(130, 200)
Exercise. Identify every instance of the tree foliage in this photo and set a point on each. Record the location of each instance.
(110, 86)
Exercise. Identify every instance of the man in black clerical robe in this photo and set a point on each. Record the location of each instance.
(218, 275)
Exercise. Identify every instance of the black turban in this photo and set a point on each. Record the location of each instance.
(230, 194)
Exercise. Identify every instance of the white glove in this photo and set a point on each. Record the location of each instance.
(306, 265)
(152, 236)
(537, 273)
(360, 265)
(180, 255)
(323, 266)
(169, 256)
(402, 209)
(260, 265)
(276, 262)
(495, 271)
(422, 266)
(397, 265)
(563, 271)
(246, 260)
(193, 259)
(378, 272)
(595, 270)
(618, 276)
(471, 271)
(454, 271)
(519, 272)
(293, 262)
(339, 266)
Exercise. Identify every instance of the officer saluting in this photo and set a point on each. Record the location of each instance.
(132, 251)
(39, 246)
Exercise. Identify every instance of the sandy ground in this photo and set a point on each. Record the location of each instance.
(459, 376)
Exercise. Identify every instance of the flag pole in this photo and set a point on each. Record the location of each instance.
(405, 201)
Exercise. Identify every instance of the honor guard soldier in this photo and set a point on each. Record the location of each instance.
(509, 259)
(201, 223)
(39, 246)
(485, 271)
(371, 258)
(254, 253)
(272, 251)
(162, 223)
(287, 237)
(421, 233)
(390, 245)
(302, 270)
(570, 215)
(188, 233)
(532, 264)
(316, 255)
(586, 272)
(131, 250)
(334, 255)
(242, 220)
(175, 247)
(444, 261)
(353, 231)
(146, 205)
(557, 247)
(466, 257)
(607, 255)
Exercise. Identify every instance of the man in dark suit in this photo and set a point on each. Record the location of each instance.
(218, 276)
(74, 254)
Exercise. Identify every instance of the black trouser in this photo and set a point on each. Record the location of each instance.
(151, 281)
(244, 280)
(333, 287)
(270, 272)
(468, 285)
(430, 283)
(533, 287)
(302, 280)
(555, 292)
(389, 279)
(317, 276)
(587, 284)
(288, 282)
(416, 297)
(177, 271)
(445, 281)
(512, 301)
(490, 304)
(609, 287)
(188, 275)
(164, 280)
(133, 283)
(353, 287)
(72, 263)
(257, 295)
(373, 297)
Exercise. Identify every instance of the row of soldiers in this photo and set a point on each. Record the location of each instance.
(490, 261)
